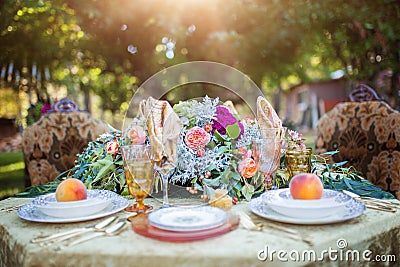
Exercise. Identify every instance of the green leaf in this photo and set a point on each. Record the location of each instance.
(222, 149)
(347, 183)
(219, 137)
(211, 167)
(330, 153)
(119, 162)
(121, 179)
(106, 168)
(233, 131)
(248, 191)
(235, 176)
(225, 176)
(211, 144)
(211, 182)
(338, 164)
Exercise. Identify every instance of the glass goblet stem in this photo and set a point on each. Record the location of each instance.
(267, 181)
(165, 173)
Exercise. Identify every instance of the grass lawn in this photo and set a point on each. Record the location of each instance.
(11, 174)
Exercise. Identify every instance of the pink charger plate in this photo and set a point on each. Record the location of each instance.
(142, 226)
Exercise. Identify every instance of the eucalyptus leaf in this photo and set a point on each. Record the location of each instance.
(106, 168)
(347, 183)
(211, 167)
(222, 149)
(330, 153)
(211, 182)
(339, 164)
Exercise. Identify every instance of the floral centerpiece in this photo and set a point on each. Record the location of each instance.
(214, 152)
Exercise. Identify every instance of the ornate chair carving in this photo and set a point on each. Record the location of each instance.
(367, 135)
(50, 145)
(363, 93)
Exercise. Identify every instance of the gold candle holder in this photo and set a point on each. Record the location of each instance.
(298, 161)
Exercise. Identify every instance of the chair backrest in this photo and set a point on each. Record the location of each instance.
(363, 93)
(367, 135)
(51, 144)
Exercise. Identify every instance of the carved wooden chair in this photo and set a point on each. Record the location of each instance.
(366, 132)
(51, 144)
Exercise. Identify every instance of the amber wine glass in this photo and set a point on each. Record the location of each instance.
(139, 175)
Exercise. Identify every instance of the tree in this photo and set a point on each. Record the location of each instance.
(96, 45)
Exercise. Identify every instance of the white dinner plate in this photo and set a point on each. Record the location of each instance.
(50, 206)
(180, 219)
(112, 202)
(351, 210)
(282, 201)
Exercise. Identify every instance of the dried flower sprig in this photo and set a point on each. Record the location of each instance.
(295, 141)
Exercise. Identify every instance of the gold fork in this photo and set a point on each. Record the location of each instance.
(9, 209)
(375, 203)
(109, 231)
(51, 239)
(248, 223)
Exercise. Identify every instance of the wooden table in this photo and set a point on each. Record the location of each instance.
(374, 231)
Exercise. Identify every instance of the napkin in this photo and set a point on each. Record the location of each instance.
(229, 104)
(266, 115)
(164, 127)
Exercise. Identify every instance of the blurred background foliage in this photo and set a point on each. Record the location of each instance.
(99, 51)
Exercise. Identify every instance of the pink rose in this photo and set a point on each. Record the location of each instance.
(112, 147)
(197, 138)
(201, 152)
(247, 167)
(137, 135)
(245, 152)
(242, 150)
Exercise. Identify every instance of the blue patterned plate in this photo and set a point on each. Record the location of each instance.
(110, 201)
(281, 201)
(351, 210)
(187, 219)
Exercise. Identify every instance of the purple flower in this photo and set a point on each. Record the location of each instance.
(224, 118)
(45, 108)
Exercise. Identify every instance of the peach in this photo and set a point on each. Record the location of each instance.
(71, 189)
(306, 186)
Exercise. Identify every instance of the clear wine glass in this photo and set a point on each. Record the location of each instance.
(165, 170)
(166, 166)
(267, 153)
(139, 174)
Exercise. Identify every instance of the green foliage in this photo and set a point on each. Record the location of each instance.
(337, 177)
(233, 131)
(38, 190)
(95, 167)
(11, 174)
(88, 44)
